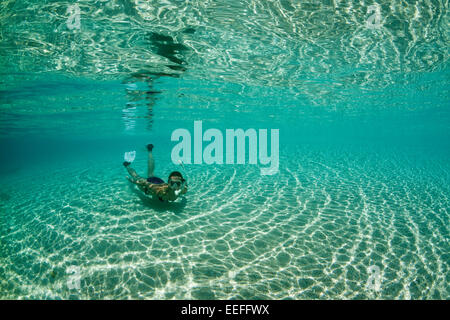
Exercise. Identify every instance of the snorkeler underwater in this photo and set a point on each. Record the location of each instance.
(224, 150)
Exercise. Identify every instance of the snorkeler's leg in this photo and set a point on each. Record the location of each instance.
(151, 161)
(132, 172)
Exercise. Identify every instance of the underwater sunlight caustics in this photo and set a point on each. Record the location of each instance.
(224, 149)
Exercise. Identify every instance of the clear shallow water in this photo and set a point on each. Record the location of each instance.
(364, 122)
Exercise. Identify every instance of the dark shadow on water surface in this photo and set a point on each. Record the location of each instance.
(140, 90)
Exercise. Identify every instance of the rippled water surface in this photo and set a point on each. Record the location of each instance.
(358, 90)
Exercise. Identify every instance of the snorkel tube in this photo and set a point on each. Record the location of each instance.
(183, 184)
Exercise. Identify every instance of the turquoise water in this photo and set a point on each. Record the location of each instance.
(361, 103)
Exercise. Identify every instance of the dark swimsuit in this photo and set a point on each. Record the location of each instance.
(156, 180)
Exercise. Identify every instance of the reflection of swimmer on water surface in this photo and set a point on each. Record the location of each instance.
(139, 85)
(176, 185)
